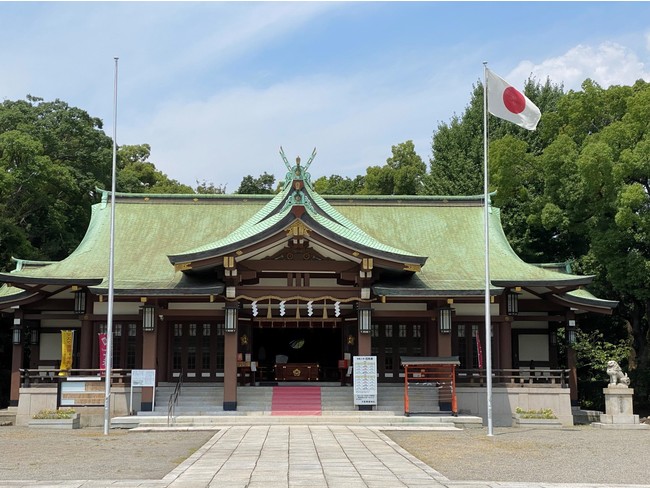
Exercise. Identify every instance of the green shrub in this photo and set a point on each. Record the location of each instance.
(61, 413)
(542, 413)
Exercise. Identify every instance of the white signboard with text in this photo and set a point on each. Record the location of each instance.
(365, 380)
(143, 378)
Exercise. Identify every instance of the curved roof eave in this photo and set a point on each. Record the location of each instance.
(19, 298)
(404, 292)
(584, 300)
(571, 280)
(161, 292)
(31, 280)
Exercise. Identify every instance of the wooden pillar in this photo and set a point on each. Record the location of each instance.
(149, 349)
(431, 347)
(505, 345)
(162, 341)
(573, 375)
(364, 342)
(16, 363)
(86, 344)
(230, 371)
(444, 341)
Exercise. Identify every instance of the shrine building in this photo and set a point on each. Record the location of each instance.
(207, 285)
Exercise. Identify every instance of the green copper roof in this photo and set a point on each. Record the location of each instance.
(149, 228)
(322, 217)
(451, 233)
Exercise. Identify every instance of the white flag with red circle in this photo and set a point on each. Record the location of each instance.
(508, 103)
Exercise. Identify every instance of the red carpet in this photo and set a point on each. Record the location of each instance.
(296, 400)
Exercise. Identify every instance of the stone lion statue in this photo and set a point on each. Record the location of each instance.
(616, 375)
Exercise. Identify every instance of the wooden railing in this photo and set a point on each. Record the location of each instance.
(537, 377)
(50, 376)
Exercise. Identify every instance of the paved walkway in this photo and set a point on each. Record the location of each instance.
(298, 456)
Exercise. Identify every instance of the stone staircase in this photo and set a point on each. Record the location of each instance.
(201, 406)
(207, 399)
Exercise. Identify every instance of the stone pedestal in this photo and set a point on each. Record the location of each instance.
(619, 412)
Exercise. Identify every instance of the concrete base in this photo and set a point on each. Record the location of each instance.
(71, 423)
(600, 425)
(537, 423)
(505, 400)
(35, 399)
(619, 411)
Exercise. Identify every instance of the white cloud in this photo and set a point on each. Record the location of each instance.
(238, 131)
(608, 64)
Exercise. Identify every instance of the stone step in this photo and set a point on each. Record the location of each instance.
(201, 398)
(334, 418)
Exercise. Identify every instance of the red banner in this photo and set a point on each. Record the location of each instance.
(103, 342)
(479, 351)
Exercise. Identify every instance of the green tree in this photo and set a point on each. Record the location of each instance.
(263, 185)
(401, 175)
(337, 185)
(137, 175)
(456, 164)
(53, 156)
(208, 188)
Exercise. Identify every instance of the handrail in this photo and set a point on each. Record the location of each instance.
(539, 376)
(29, 377)
(173, 399)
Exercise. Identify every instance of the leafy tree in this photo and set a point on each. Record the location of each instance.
(209, 188)
(401, 175)
(52, 157)
(257, 186)
(456, 164)
(337, 185)
(137, 175)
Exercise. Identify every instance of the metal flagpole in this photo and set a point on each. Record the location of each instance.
(111, 267)
(486, 221)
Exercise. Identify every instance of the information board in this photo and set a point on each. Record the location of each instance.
(143, 377)
(365, 380)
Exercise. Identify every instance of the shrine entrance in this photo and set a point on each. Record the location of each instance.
(316, 347)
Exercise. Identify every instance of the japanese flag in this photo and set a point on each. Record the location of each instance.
(510, 104)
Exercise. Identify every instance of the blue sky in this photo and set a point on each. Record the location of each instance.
(217, 87)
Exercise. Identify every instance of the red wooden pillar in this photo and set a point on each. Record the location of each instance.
(364, 342)
(149, 349)
(86, 344)
(230, 358)
(16, 362)
(444, 343)
(505, 345)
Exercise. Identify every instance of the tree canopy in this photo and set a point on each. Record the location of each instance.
(577, 189)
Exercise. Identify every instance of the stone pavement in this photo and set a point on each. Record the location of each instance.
(297, 456)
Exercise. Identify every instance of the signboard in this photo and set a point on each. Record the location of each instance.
(365, 380)
(143, 377)
(89, 393)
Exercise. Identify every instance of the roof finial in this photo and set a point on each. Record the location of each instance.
(298, 161)
(284, 158)
(313, 155)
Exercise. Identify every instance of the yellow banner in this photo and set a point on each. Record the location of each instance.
(67, 339)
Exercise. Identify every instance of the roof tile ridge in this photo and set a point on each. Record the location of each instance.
(360, 236)
(331, 212)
